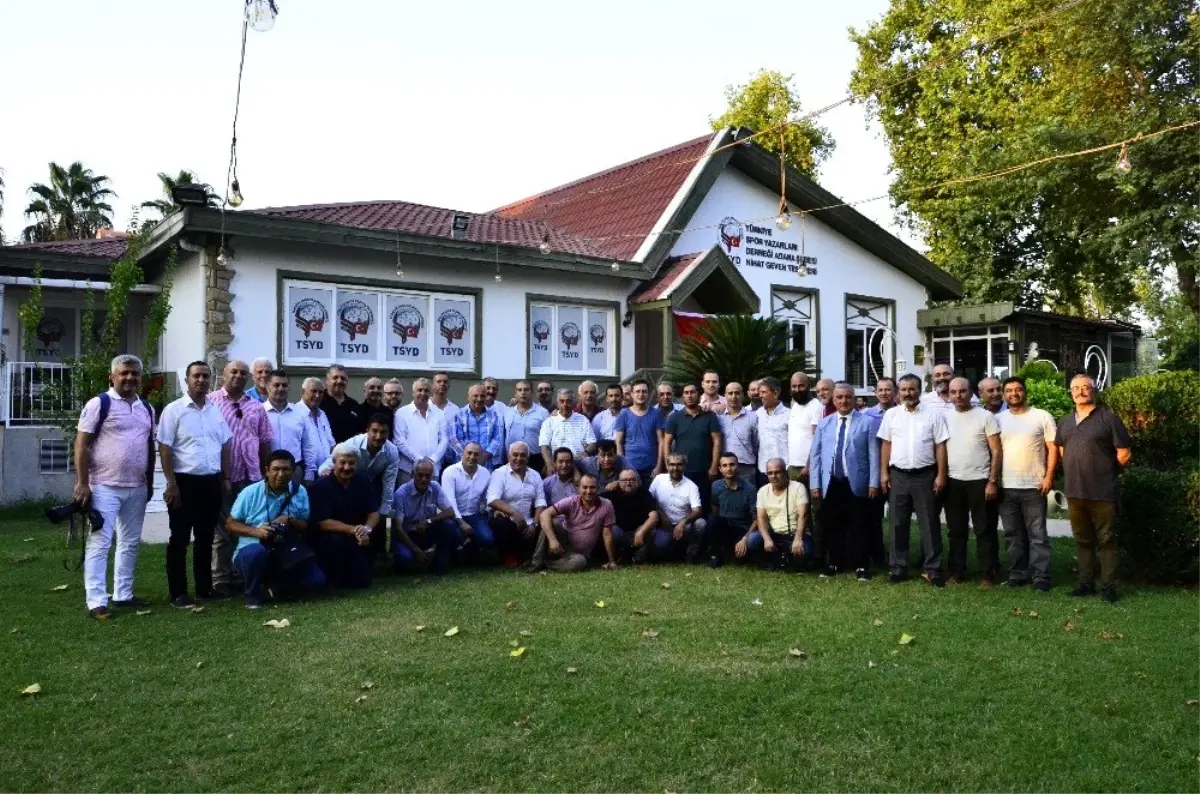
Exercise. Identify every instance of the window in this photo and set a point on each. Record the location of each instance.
(974, 352)
(54, 456)
(870, 342)
(378, 328)
(797, 308)
(571, 338)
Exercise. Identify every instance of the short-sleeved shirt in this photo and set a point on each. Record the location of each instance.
(736, 505)
(1090, 454)
(631, 509)
(968, 456)
(641, 437)
(591, 465)
(573, 432)
(411, 505)
(692, 436)
(523, 494)
(914, 435)
(347, 418)
(781, 507)
(675, 499)
(603, 423)
(557, 489)
(772, 434)
(739, 435)
(120, 456)
(525, 426)
(1023, 438)
(257, 505)
(195, 435)
(584, 526)
(802, 418)
(350, 504)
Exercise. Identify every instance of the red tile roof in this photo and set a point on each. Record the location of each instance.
(105, 248)
(672, 272)
(621, 204)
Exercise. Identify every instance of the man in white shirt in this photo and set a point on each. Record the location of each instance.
(773, 423)
(973, 459)
(465, 484)
(681, 523)
(291, 428)
(940, 396)
(604, 421)
(523, 422)
(193, 442)
(420, 432)
(912, 467)
(565, 428)
(310, 402)
(439, 399)
(1028, 437)
(516, 496)
(805, 413)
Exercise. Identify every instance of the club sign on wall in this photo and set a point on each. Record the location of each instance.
(570, 339)
(378, 327)
(766, 247)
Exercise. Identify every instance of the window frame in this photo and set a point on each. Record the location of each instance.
(890, 341)
(558, 302)
(779, 294)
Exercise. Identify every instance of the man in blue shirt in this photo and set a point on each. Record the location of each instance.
(345, 515)
(638, 432)
(477, 423)
(262, 517)
(734, 519)
(422, 517)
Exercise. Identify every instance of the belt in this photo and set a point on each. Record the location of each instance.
(918, 470)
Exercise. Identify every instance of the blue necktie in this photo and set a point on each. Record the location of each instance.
(838, 471)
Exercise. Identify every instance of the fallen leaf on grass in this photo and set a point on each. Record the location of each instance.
(642, 612)
(367, 685)
(799, 654)
(1193, 702)
(199, 664)
(1139, 675)
(1109, 635)
(59, 587)
(572, 671)
(649, 634)
(895, 652)
(525, 633)
(28, 540)
(1016, 612)
(142, 612)
(905, 639)
(514, 643)
(687, 575)
(197, 610)
(876, 622)
(525, 720)
(419, 628)
(1079, 610)
(666, 585)
(450, 632)
(13, 630)
(278, 624)
(1034, 615)
(22, 558)
(756, 602)
(360, 698)
(511, 605)
(870, 665)
(1068, 626)
(32, 689)
(515, 652)
(601, 604)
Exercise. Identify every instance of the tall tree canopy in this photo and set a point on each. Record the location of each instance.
(166, 205)
(971, 92)
(767, 101)
(72, 206)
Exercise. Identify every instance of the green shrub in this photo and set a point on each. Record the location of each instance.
(1162, 414)
(1157, 526)
(1041, 371)
(1048, 396)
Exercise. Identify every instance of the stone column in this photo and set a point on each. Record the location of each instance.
(218, 311)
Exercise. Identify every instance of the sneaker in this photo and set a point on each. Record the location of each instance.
(255, 603)
(714, 562)
(1015, 583)
(1083, 590)
(1042, 587)
(215, 594)
(897, 578)
(182, 602)
(863, 575)
(829, 572)
(100, 613)
(140, 603)
(934, 579)
(1109, 595)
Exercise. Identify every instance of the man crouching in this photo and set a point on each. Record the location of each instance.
(585, 518)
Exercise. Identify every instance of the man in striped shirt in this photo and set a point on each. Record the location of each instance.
(478, 424)
(565, 428)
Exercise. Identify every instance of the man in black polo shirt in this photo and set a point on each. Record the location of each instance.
(634, 511)
(346, 415)
(344, 515)
(1095, 447)
(734, 512)
(695, 434)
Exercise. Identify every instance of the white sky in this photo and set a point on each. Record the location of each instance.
(467, 105)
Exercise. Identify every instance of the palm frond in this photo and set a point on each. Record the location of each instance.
(739, 347)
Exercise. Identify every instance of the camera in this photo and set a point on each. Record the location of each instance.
(279, 531)
(59, 514)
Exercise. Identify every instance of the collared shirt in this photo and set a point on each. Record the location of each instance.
(640, 443)
(735, 505)
(257, 505)
(876, 413)
(291, 430)
(713, 404)
(523, 494)
(525, 426)
(591, 465)
(801, 421)
(320, 425)
(482, 429)
(574, 432)
(195, 435)
(934, 400)
(501, 411)
(346, 419)
(120, 456)
(351, 504)
(781, 507)
(418, 435)
(248, 423)
(692, 436)
(1089, 450)
(411, 505)
(381, 468)
(254, 394)
(449, 410)
(369, 410)
(603, 424)
(631, 510)
(557, 489)
(583, 525)
(468, 494)
(913, 434)
(772, 434)
(740, 435)
(675, 499)
(968, 456)
(1023, 439)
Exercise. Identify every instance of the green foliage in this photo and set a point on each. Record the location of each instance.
(959, 91)
(167, 205)
(1049, 396)
(73, 206)
(1041, 371)
(30, 313)
(1157, 527)
(1162, 414)
(768, 101)
(741, 348)
(1175, 325)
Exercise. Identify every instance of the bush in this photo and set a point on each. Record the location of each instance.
(1041, 371)
(1049, 396)
(1157, 526)
(1162, 414)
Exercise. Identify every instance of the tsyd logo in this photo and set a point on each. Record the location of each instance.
(731, 232)
(407, 322)
(310, 315)
(356, 318)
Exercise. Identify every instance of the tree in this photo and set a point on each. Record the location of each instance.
(739, 347)
(72, 207)
(769, 101)
(167, 205)
(965, 87)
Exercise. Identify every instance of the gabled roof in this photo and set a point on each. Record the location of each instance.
(683, 277)
(621, 204)
(99, 248)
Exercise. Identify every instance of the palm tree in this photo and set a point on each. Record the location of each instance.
(741, 348)
(167, 205)
(72, 207)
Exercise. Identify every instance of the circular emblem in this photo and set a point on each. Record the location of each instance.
(731, 232)
(452, 325)
(541, 330)
(310, 315)
(596, 332)
(50, 331)
(570, 334)
(356, 318)
(407, 322)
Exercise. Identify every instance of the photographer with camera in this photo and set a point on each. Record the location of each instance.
(114, 475)
(268, 519)
(345, 513)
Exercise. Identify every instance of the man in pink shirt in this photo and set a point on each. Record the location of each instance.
(114, 470)
(586, 519)
(248, 452)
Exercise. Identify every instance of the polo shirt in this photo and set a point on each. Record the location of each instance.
(675, 499)
(381, 468)
(468, 494)
(692, 436)
(195, 435)
(411, 505)
(781, 507)
(350, 504)
(968, 456)
(257, 505)
(735, 505)
(739, 435)
(557, 489)
(120, 456)
(1090, 454)
(583, 526)
(631, 509)
(913, 435)
(346, 419)
(640, 444)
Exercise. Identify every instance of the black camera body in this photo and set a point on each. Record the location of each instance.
(59, 514)
(279, 531)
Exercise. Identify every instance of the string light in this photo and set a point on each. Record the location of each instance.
(499, 278)
(544, 247)
(235, 194)
(1123, 164)
(260, 14)
(399, 264)
(224, 257)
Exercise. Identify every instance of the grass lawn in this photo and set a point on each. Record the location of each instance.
(980, 700)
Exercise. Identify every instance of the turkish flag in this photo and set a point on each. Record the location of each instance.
(688, 324)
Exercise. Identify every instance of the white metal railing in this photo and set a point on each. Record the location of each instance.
(33, 394)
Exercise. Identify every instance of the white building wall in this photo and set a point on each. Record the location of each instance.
(183, 338)
(843, 268)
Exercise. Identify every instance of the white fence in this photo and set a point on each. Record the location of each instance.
(33, 394)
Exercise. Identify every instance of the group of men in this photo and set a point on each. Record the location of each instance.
(284, 497)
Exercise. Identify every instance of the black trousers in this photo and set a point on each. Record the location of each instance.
(195, 518)
(723, 535)
(840, 539)
(965, 501)
(704, 483)
(875, 532)
(912, 491)
(510, 538)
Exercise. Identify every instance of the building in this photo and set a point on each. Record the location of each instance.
(597, 275)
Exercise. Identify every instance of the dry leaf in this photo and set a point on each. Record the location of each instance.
(515, 652)
(876, 622)
(600, 604)
(649, 634)
(756, 602)
(511, 605)
(278, 624)
(1193, 702)
(525, 720)
(197, 610)
(571, 671)
(525, 633)
(450, 632)
(59, 587)
(642, 612)
(360, 698)
(1068, 626)
(419, 628)
(199, 664)
(367, 685)
(666, 585)
(1016, 612)
(1034, 615)
(799, 654)
(28, 540)
(895, 652)
(32, 689)
(142, 612)
(514, 643)
(13, 630)
(1108, 635)
(870, 665)
(687, 575)
(905, 639)
(1139, 675)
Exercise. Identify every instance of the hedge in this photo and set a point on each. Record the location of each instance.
(1158, 525)
(1162, 414)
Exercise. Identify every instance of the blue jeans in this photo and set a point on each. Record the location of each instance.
(482, 531)
(346, 564)
(444, 534)
(254, 564)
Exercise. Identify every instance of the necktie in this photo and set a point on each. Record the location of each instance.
(838, 470)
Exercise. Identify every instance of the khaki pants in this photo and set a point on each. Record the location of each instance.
(1093, 523)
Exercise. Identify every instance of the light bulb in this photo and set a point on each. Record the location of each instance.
(235, 194)
(784, 221)
(616, 266)
(544, 247)
(1123, 164)
(260, 14)
(399, 268)
(222, 257)
(499, 278)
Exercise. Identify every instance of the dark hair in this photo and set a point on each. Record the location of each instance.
(612, 386)
(728, 455)
(281, 454)
(380, 419)
(606, 445)
(888, 379)
(278, 373)
(912, 377)
(1016, 379)
(561, 450)
(771, 383)
(188, 372)
(639, 382)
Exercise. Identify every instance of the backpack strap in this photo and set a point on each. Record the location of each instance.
(105, 407)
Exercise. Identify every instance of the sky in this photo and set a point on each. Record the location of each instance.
(466, 105)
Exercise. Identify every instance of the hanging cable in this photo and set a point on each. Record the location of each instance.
(233, 190)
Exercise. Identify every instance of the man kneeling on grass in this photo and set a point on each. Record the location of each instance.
(345, 514)
(586, 518)
(268, 518)
(423, 518)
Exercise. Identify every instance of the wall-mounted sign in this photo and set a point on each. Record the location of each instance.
(564, 338)
(767, 247)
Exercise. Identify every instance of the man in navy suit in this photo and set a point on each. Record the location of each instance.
(844, 472)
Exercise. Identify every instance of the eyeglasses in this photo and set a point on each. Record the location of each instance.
(238, 413)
